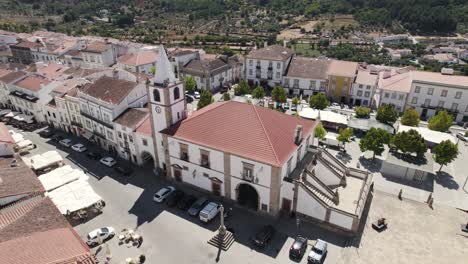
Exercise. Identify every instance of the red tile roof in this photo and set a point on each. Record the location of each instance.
(34, 231)
(33, 82)
(145, 128)
(19, 180)
(245, 130)
(5, 136)
(109, 89)
(12, 76)
(141, 57)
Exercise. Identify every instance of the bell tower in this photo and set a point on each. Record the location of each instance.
(167, 106)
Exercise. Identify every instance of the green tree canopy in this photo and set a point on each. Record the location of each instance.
(362, 112)
(278, 94)
(374, 140)
(320, 132)
(190, 84)
(387, 114)
(345, 136)
(441, 122)
(295, 101)
(318, 101)
(206, 98)
(410, 117)
(445, 153)
(258, 93)
(409, 142)
(242, 88)
(226, 97)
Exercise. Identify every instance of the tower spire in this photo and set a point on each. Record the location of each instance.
(164, 74)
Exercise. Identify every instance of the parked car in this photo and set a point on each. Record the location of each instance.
(285, 106)
(186, 202)
(163, 193)
(248, 96)
(104, 233)
(66, 142)
(318, 252)
(263, 236)
(197, 206)
(47, 133)
(125, 171)
(57, 138)
(189, 98)
(196, 95)
(93, 155)
(298, 248)
(79, 147)
(174, 198)
(462, 136)
(294, 107)
(209, 212)
(108, 161)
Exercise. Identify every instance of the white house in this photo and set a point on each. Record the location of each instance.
(306, 76)
(97, 54)
(208, 74)
(363, 88)
(267, 65)
(393, 89)
(103, 101)
(5, 80)
(141, 61)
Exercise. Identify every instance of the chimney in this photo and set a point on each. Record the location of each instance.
(298, 135)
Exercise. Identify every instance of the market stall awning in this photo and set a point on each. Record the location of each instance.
(61, 176)
(74, 196)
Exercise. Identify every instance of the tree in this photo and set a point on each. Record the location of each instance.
(190, 84)
(441, 122)
(242, 88)
(374, 140)
(410, 117)
(295, 101)
(258, 93)
(153, 70)
(318, 101)
(345, 136)
(320, 132)
(278, 94)
(445, 152)
(206, 98)
(226, 97)
(387, 114)
(362, 112)
(409, 142)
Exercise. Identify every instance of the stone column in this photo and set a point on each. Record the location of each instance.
(227, 175)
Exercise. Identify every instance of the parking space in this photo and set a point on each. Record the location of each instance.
(170, 234)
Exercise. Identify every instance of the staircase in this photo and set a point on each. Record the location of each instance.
(223, 242)
(319, 194)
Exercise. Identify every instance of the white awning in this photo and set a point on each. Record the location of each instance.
(429, 135)
(24, 143)
(324, 115)
(60, 177)
(12, 114)
(43, 160)
(19, 117)
(74, 196)
(17, 137)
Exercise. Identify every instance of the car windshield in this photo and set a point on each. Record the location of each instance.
(89, 237)
(318, 251)
(164, 191)
(104, 230)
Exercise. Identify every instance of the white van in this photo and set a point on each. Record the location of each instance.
(209, 212)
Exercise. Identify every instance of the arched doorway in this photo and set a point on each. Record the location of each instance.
(247, 196)
(147, 159)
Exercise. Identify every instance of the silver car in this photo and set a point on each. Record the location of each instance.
(318, 252)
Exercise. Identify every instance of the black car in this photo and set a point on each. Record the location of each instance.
(47, 133)
(189, 98)
(197, 206)
(174, 198)
(298, 248)
(186, 202)
(93, 155)
(263, 236)
(57, 138)
(125, 171)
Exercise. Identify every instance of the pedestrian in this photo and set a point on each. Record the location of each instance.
(140, 241)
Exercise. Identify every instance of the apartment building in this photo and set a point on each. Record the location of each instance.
(97, 54)
(393, 89)
(341, 75)
(209, 74)
(363, 88)
(267, 66)
(141, 61)
(306, 76)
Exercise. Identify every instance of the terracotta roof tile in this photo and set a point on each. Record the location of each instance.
(141, 57)
(343, 68)
(17, 180)
(109, 89)
(308, 68)
(5, 136)
(145, 128)
(27, 44)
(132, 117)
(96, 47)
(205, 66)
(245, 130)
(33, 82)
(12, 76)
(275, 52)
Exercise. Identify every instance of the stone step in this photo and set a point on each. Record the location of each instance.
(224, 242)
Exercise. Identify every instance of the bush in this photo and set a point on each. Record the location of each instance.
(362, 112)
(410, 117)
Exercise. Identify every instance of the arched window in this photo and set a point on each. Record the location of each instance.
(176, 93)
(156, 95)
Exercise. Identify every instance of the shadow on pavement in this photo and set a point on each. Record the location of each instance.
(446, 180)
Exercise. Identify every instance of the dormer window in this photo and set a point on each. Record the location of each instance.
(156, 95)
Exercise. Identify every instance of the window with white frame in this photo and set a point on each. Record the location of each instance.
(414, 100)
(417, 89)
(367, 94)
(359, 93)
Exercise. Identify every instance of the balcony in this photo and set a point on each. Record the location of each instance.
(96, 120)
(247, 177)
(184, 156)
(205, 164)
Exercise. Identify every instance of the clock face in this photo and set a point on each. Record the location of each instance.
(158, 109)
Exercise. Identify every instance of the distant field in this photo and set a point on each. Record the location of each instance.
(305, 49)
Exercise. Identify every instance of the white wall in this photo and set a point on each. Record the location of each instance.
(304, 85)
(398, 99)
(342, 220)
(307, 205)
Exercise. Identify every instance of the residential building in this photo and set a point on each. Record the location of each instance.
(6, 80)
(141, 61)
(21, 51)
(180, 57)
(442, 58)
(399, 38)
(97, 54)
(208, 74)
(431, 92)
(393, 89)
(363, 88)
(341, 76)
(267, 66)
(103, 101)
(50, 49)
(306, 76)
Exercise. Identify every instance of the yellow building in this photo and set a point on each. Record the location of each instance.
(341, 76)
